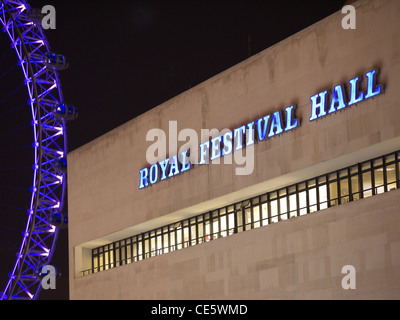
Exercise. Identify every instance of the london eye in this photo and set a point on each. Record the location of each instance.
(37, 92)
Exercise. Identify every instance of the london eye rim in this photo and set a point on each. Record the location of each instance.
(50, 146)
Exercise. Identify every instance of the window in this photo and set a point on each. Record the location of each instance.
(336, 188)
(264, 214)
(231, 223)
(322, 193)
(256, 216)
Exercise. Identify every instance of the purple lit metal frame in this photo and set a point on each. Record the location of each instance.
(49, 136)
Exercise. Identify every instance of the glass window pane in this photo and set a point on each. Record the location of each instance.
(106, 262)
(283, 208)
(311, 183)
(247, 217)
(223, 226)
(264, 214)
(152, 249)
(200, 230)
(128, 253)
(379, 184)
(323, 196)
(193, 235)
(293, 205)
(367, 184)
(391, 177)
(343, 173)
(134, 251)
(178, 238)
(140, 249)
(159, 244)
(166, 243)
(172, 241)
(282, 192)
(303, 202)
(256, 216)
(146, 248)
(398, 169)
(186, 237)
(333, 193)
(322, 180)
(208, 230)
(378, 162)
(215, 228)
(112, 265)
(344, 191)
(312, 198)
(101, 262)
(123, 255)
(353, 169)
(117, 258)
(355, 187)
(274, 211)
(95, 263)
(239, 221)
(390, 158)
(366, 166)
(231, 223)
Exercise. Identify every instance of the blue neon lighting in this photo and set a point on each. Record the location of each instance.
(227, 139)
(262, 129)
(174, 168)
(250, 134)
(371, 82)
(153, 173)
(185, 161)
(164, 166)
(320, 106)
(238, 136)
(291, 121)
(143, 178)
(276, 125)
(337, 98)
(215, 147)
(354, 90)
(204, 153)
(265, 127)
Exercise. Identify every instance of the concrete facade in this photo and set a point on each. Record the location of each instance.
(301, 258)
(298, 258)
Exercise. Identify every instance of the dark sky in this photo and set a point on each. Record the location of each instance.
(127, 57)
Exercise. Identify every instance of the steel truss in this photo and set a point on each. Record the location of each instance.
(49, 142)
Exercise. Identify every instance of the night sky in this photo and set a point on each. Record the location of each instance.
(127, 57)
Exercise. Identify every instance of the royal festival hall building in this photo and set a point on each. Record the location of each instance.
(276, 179)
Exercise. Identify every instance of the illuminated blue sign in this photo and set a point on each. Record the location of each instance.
(241, 137)
(322, 104)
